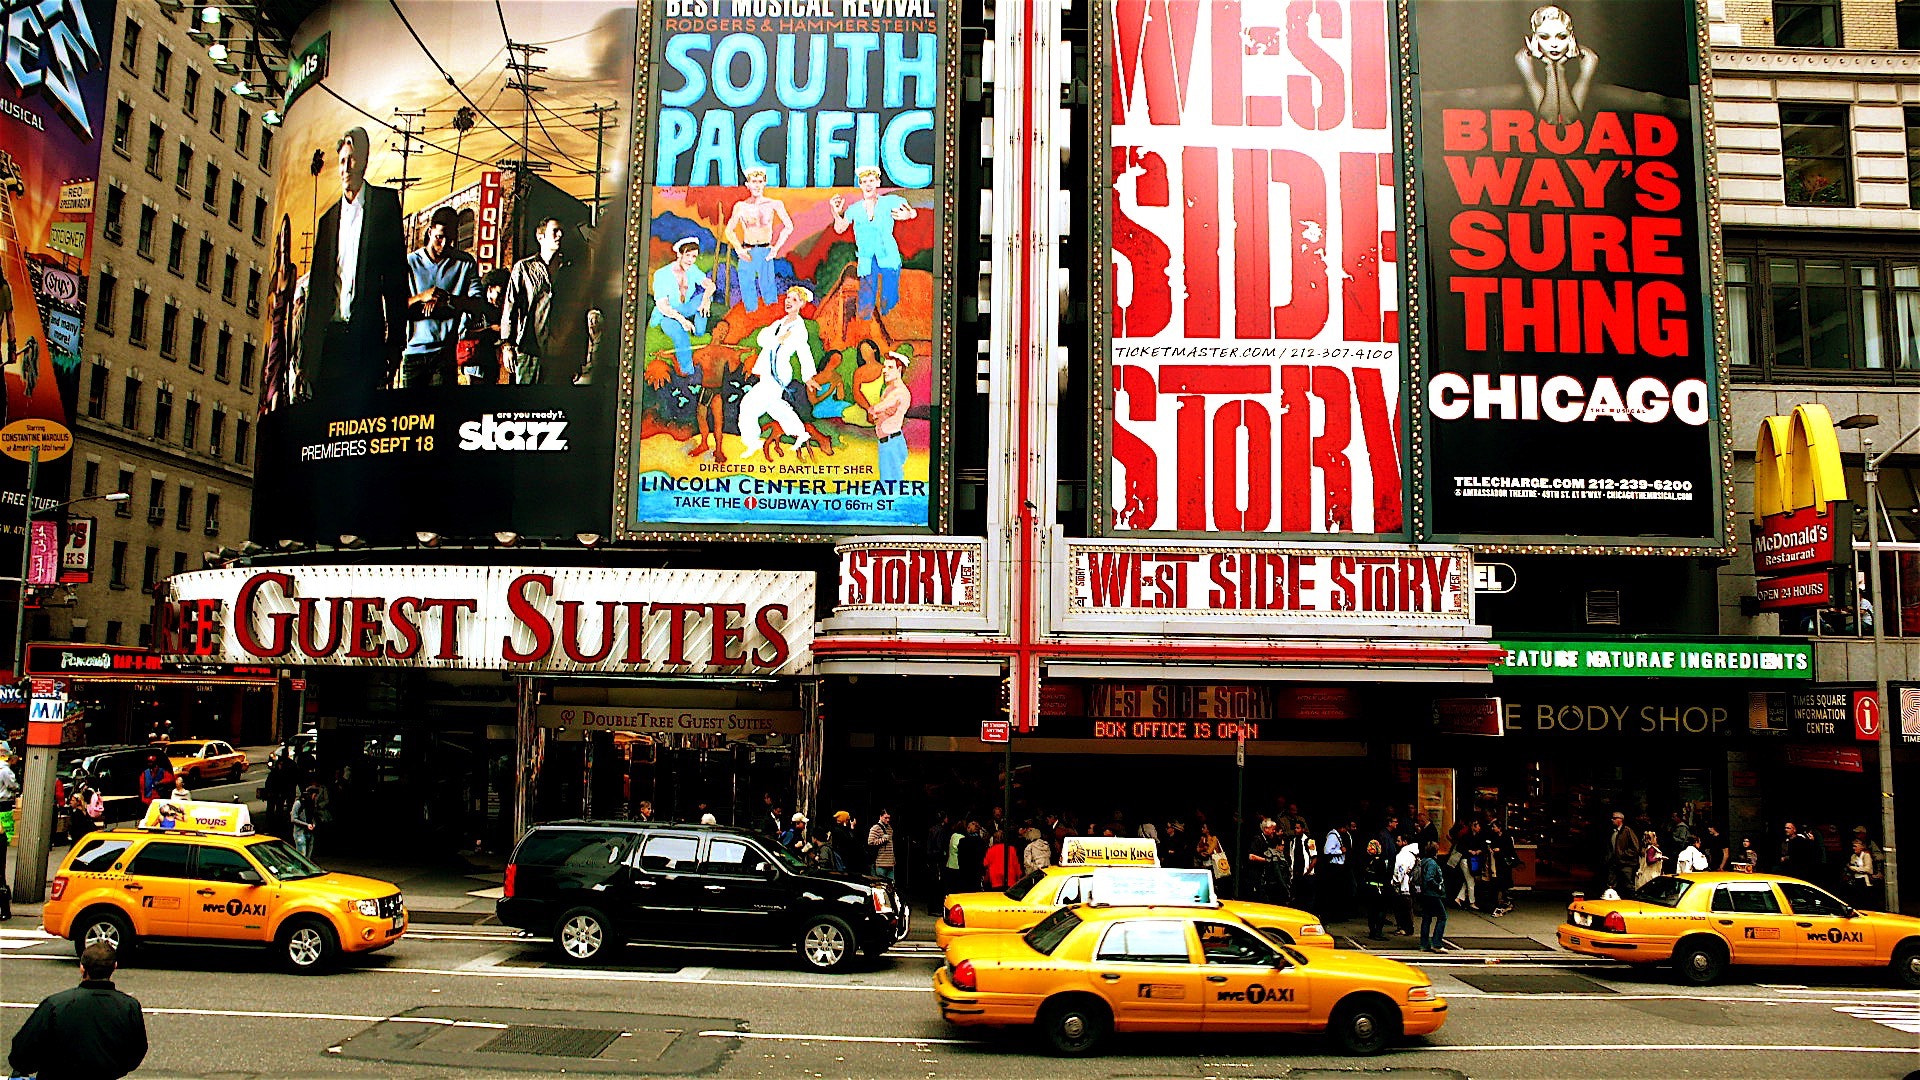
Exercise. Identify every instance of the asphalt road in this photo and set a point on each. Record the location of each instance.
(456, 1002)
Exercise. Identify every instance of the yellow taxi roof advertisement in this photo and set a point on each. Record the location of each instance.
(1141, 886)
(222, 819)
(1108, 851)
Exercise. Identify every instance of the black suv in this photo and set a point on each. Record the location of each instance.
(596, 885)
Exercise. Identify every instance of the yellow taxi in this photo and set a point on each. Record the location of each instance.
(1085, 972)
(1031, 898)
(196, 872)
(201, 760)
(1704, 922)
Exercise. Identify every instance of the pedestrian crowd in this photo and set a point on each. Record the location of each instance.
(1853, 865)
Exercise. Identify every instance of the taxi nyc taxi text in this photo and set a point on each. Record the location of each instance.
(1031, 898)
(1087, 971)
(1704, 922)
(196, 872)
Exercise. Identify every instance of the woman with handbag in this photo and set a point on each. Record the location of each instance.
(1211, 855)
(1652, 861)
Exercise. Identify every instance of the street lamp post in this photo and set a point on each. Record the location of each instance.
(1870, 475)
(34, 810)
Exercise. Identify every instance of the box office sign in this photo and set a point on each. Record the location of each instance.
(512, 618)
(1691, 660)
(1308, 583)
(574, 721)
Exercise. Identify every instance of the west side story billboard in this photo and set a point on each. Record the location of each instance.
(1570, 389)
(445, 309)
(793, 272)
(1253, 372)
(53, 121)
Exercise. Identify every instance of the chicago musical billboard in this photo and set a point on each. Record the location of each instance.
(1570, 392)
(793, 272)
(1252, 375)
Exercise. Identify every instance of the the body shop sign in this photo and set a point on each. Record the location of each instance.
(526, 619)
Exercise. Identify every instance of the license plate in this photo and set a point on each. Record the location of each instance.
(1573, 939)
(399, 921)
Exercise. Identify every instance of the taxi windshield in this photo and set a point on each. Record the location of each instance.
(184, 749)
(1049, 932)
(1663, 891)
(282, 861)
(1019, 889)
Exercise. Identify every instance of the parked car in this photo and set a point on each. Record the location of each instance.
(597, 885)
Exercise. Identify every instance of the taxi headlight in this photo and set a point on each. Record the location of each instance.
(369, 908)
(1313, 929)
(1422, 993)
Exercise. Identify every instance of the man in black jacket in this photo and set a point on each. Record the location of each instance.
(92, 1032)
(357, 285)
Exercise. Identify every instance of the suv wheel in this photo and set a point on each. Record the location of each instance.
(106, 927)
(583, 936)
(827, 944)
(307, 946)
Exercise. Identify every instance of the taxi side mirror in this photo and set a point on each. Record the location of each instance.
(248, 877)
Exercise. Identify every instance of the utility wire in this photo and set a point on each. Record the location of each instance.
(524, 150)
(501, 12)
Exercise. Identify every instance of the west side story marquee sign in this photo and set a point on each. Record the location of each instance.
(513, 618)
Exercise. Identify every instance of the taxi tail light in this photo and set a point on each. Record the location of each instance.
(956, 916)
(1422, 993)
(58, 889)
(506, 887)
(1614, 923)
(1313, 929)
(964, 977)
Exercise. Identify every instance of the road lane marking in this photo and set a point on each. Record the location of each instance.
(255, 1014)
(1905, 1019)
(891, 1040)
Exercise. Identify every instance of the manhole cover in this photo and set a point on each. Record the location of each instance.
(1550, 983)
(1498, 944)
(550, 1041)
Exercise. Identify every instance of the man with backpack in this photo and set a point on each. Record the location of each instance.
(1432, 895)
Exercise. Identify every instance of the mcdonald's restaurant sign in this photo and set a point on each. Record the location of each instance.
(1803, 520)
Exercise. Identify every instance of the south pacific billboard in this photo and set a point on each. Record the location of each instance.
(53, 119)
(1253, 372)
(793, 271)
(446, 304)
(1570, 392)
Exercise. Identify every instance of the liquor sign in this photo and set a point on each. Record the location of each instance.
(1254, 371)
(1468, 716)
(1818, 588)
(489, 221)
(504, 618)
(1689, 660)
(922, 575)
(1570, 390)
(1398, 584)
(1802, 519)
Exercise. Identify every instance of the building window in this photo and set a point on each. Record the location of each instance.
(176, 247)
(266, 147)
(117, 577)
(122, 126)
(129, 413)
(190, 424)
(183, 168)
(197, 343)
(235, 195)
(183, 510)
(137, 322)
(143, 243)
(150, 575)
(155, 136)
(113, 625)
(1913, 151)
(97, 392)
(124, 508)
(241, 430)
(1795, 315)
(90, 480)
(1906, 26)
(222, 349)
(116, 207)
(210, 191)
(180, 561)
(169, 329)
(217, 434)
(259, 218)
(103, 300)
(146, 636)
(1806, 24)
(130, 46)
(242, 128)
(213, 514)
(253, 291)
(1819, 155)
(156, 499)
(229, 270)
(218, 118)
(162, 68)
(162, 413)
(203, 265)
(190, 93)
(246, 365)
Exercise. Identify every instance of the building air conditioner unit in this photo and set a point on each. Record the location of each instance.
(1603, 607)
